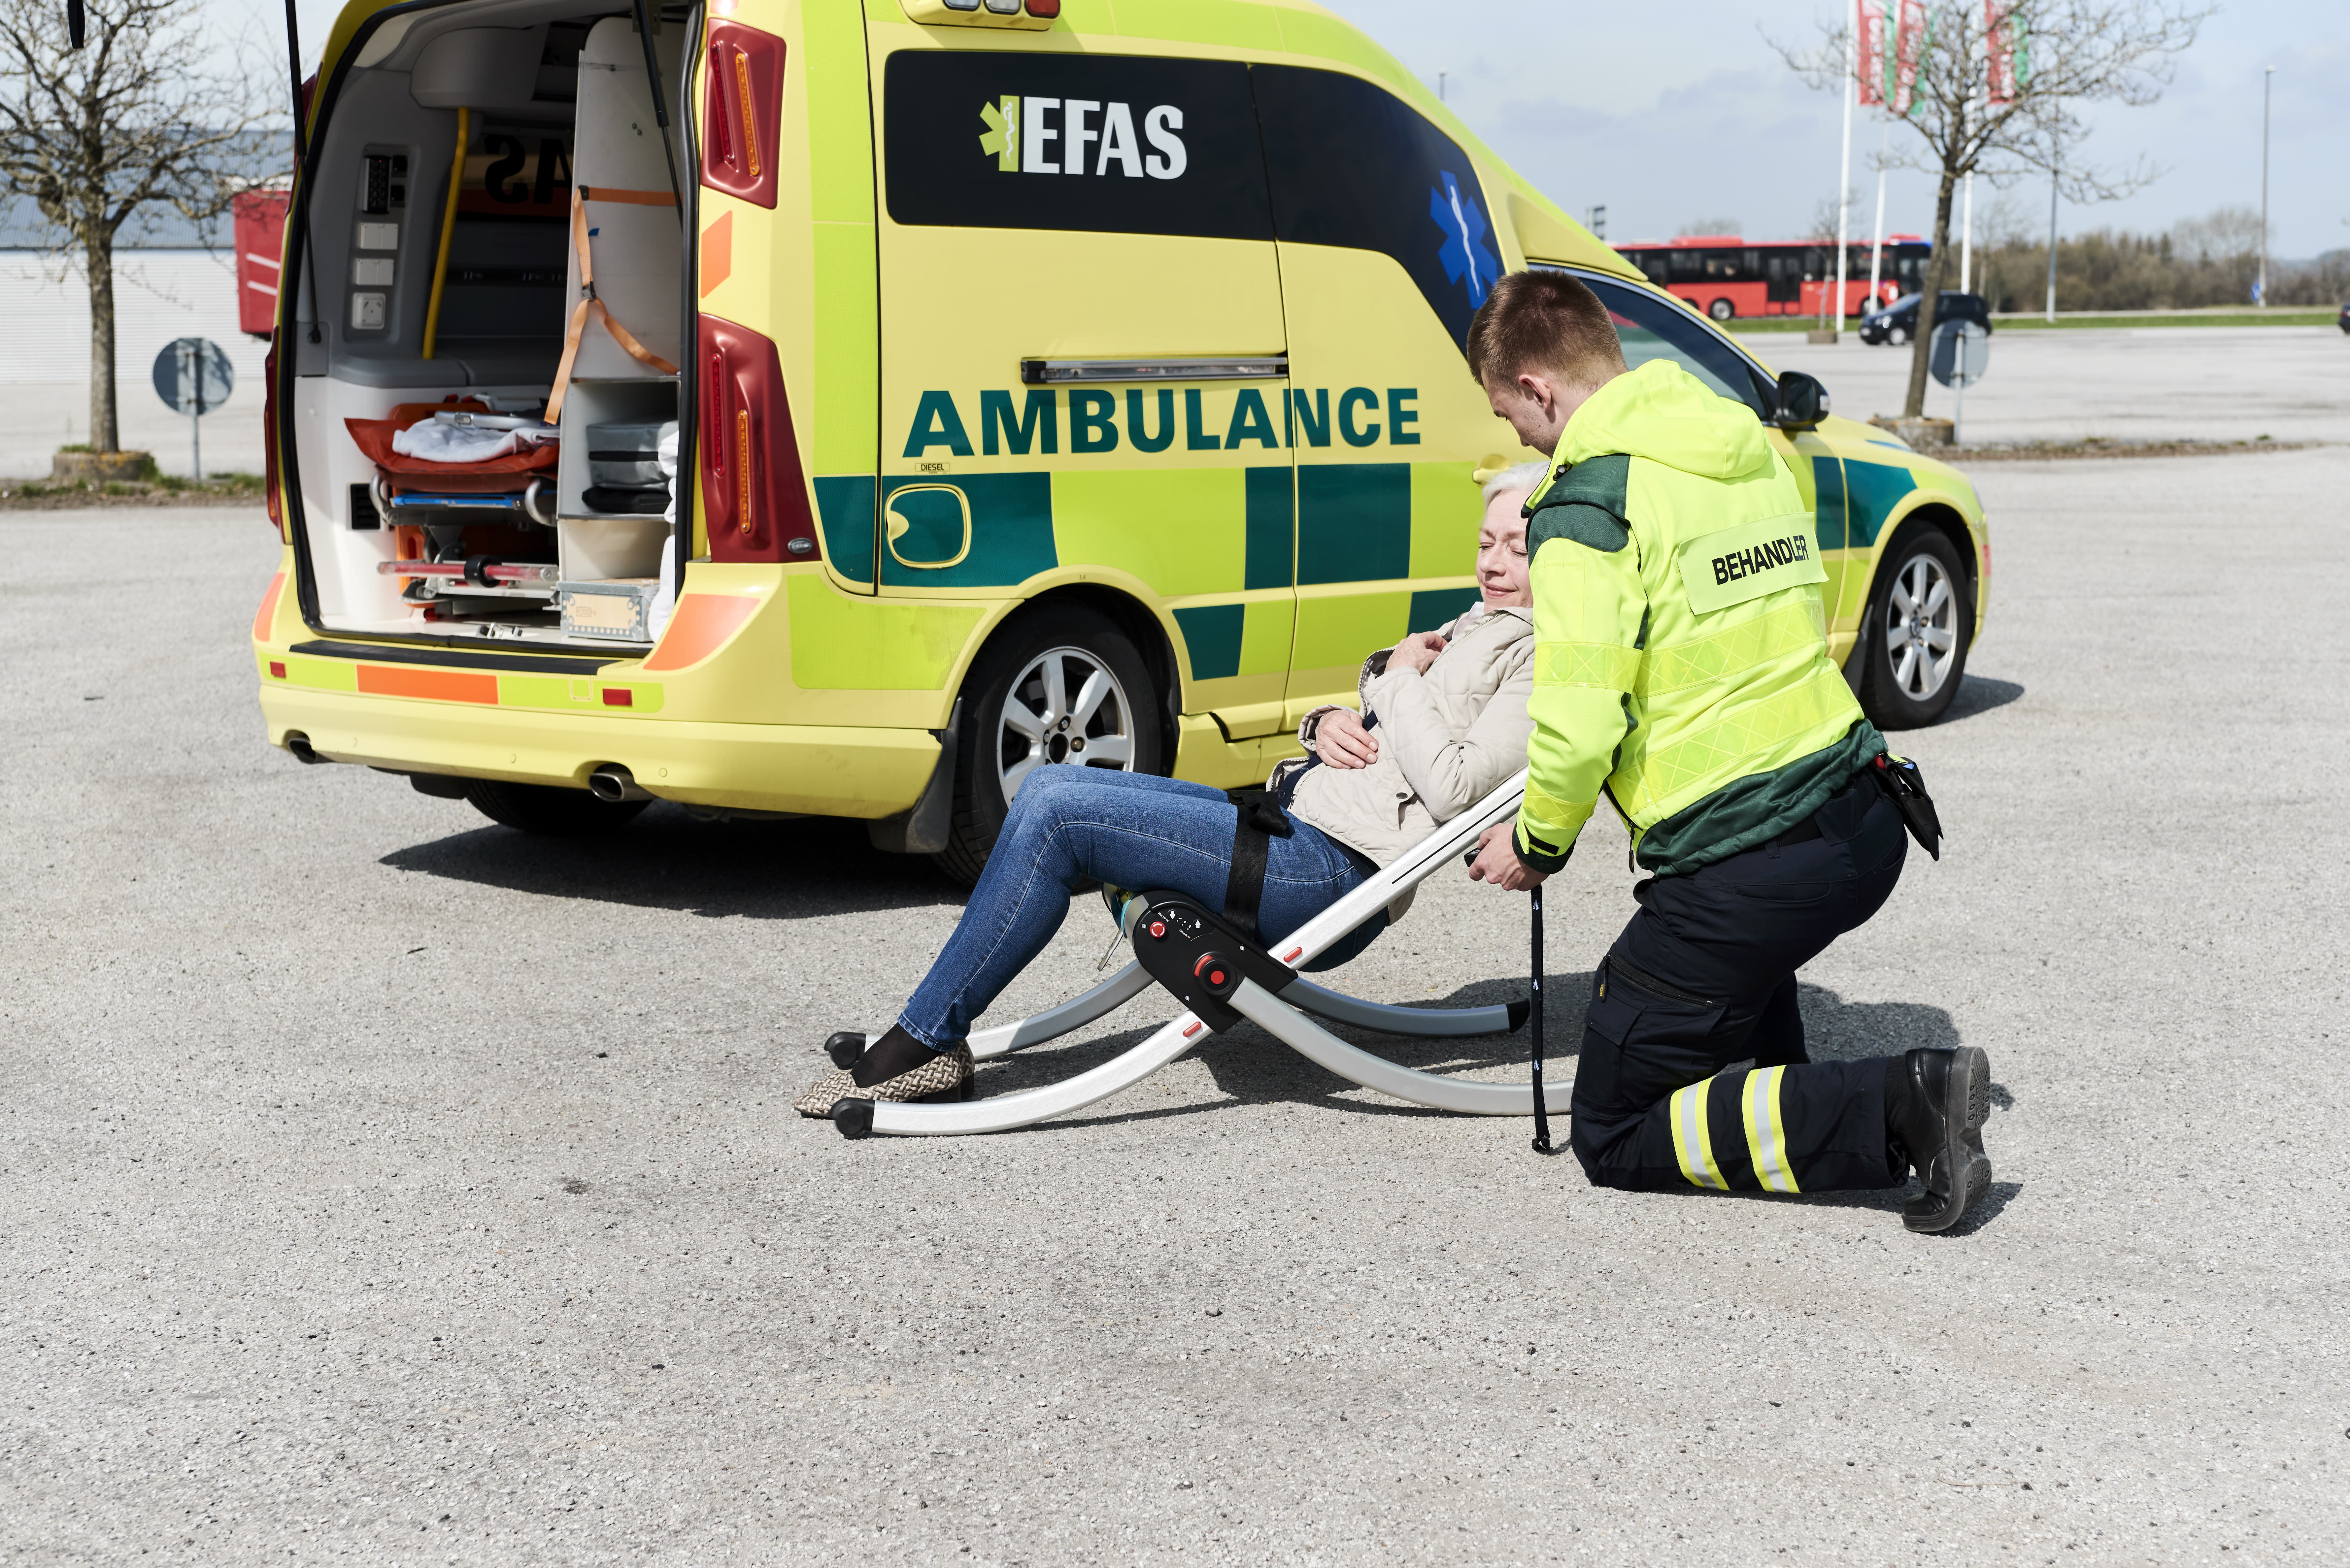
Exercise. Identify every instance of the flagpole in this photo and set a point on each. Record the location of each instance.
(1844, 174)
(1877, 246)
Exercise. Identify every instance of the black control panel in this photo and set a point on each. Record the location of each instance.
(1195, 955)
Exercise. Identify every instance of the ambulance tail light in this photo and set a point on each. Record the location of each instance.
(743, 111)
(269, 439)
(754, 492)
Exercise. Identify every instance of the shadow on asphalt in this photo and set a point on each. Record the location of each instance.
(1980, 695)
(1252, 1067)
(667, 860)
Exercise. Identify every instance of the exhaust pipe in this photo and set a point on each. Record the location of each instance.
(614, 784)
(299, 744)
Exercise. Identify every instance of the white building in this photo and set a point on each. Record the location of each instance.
(159, 295)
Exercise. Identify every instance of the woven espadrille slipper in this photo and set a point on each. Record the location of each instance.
(947, 1076)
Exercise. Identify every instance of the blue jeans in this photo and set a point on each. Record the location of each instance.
(1135, 831)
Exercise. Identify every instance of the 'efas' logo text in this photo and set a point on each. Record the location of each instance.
(1083, 136)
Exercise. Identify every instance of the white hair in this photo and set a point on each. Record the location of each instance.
(1518, 476)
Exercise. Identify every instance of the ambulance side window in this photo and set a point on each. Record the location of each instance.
(1100, 143)
(1354, 165)
(1656, 329)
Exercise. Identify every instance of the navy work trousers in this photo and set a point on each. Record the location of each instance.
(1704, 976)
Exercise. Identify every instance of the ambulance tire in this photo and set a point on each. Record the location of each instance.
(550, 812)
(1909, 696)
(979, 805)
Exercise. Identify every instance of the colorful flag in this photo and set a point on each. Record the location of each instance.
(1910, 41)
(1869, 37)
(2006, 43)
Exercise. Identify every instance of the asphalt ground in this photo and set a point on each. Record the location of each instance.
(385, 1187)
(2138, 384)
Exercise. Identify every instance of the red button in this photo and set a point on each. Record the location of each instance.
(1158, 929)
(1045, 10)
(1216, 977)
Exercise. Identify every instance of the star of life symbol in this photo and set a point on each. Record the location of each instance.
(1466, 260)
(1003, 134)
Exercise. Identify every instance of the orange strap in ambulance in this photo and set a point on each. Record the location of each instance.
(588, 303)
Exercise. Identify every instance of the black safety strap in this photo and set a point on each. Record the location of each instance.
(1534, 1016)
(1262, 820)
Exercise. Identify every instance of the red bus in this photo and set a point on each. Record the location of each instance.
(1726, 277)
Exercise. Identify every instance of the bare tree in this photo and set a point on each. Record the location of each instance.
(2078, 52)
(130, 122)
(1828, 216)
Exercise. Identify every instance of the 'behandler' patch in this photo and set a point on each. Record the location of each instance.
(1749, 561)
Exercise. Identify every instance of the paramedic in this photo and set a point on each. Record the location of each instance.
(1681, 666)
(1443, 723)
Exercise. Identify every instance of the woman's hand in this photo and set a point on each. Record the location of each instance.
(1342, 741)
(1416, 652)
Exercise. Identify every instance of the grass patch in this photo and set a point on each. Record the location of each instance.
(2099, 447)
(2322, 317)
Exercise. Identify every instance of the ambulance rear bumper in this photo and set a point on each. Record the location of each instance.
(828, 771)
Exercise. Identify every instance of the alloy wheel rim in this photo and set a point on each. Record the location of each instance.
(1064, 707)
(1922, 633)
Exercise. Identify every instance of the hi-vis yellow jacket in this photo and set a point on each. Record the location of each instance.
(1680, 656)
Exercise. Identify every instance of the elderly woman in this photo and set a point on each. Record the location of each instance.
(1443, 723)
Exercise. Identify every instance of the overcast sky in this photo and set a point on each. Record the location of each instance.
(1671, 114)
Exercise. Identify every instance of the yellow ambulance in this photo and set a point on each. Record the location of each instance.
(937, 388)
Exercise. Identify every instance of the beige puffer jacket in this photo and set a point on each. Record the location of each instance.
(1447, 738)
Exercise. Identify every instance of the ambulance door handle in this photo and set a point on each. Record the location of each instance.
(1241, 367)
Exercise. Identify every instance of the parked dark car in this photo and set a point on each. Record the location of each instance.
(2343, 321)
(1897, 322)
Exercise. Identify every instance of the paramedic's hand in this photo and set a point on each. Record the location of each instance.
(1417, 652)
(1343, 743)
(1497, 862)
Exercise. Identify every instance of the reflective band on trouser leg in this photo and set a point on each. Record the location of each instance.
(1753, 731)
(1766, 1133)
(1602, 664)
(1794, 628)
(1693, 1138)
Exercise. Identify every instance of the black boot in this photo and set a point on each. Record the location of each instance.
(1935, 1102)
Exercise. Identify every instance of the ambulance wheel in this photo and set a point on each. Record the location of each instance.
(550, 811)
(1722, 310)
(1922, 616)
(1062, 685)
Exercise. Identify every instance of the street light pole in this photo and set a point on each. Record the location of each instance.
(2051, 241)
(2268, 80)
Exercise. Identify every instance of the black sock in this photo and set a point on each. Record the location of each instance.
(894, 1053)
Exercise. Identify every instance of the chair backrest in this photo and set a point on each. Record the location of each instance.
(1414, 866)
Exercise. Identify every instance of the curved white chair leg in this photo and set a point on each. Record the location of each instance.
(1310, 1040)
(1425, 1022)
(1003, 1112)
(1075, 1014)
